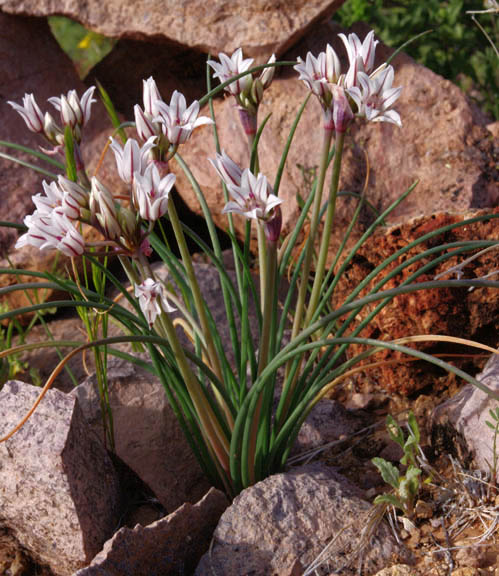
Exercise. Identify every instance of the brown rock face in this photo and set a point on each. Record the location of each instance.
(170, 546)
(147, 435)
(33, 62)
(58, 488)
(260, 27)
(441, 143)
(454, 312)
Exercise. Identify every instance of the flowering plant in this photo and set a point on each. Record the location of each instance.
(226, 410)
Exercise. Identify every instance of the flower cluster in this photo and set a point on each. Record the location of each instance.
(172, 124)
(247, 90)
(65, 205)
(369, 92)
(74, 112)
(252, 195)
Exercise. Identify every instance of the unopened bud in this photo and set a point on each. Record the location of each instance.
(267, 74)
(342, 113)
(103, 209)
(273, 226)
(257, 91)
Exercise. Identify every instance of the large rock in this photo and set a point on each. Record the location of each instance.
(459, 424)
(293, 516)
(170, 546)
(443, 143)
(453, 312)
(147, 435)
(260, 28)
(33, 62)
(58, 488)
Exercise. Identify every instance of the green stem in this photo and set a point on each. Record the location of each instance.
(328, 227)
(198, 300)
(309, 250)
(263, 358)
(314, 225)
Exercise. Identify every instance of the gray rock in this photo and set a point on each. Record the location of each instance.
(290, 517)
(328, 421)
(458, 425)
(147, 435)
(170, 546)
(58, 488)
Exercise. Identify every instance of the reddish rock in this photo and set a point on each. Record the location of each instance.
(58, 488)
(291, 517)
(170, 546)
(260, 28)
(33, 62)
(454, 312)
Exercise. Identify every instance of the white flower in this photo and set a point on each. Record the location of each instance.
(52, 230)
(132, 158)
(151, 192)
(313, 73)
(178, 121)
(227, 68)
(30, 112)
(152, 299)
(151, 96)
(68, 196)
(267, 74)
(375, 96)
(253, 198)
(227, 169)
(360, 56)
(145, 127)
(74, 111)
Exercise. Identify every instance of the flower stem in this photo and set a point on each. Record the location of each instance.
(328, 226)
(314, 225)
(265, 342)
(198, 300)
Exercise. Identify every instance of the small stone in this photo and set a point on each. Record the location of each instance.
(466, 572)
(423, 509)
(397, 570)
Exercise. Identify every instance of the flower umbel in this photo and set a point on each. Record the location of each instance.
(152, 299)
(74, 111)
(132, 158)
(52, 230)
(253, 197)
(150, 194)
(227, 68)
(30, 112)
(375, 96)
(177, 120)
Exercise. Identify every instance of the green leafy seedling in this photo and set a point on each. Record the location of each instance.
(405, 487)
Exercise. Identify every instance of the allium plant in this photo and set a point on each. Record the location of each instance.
(227, 410)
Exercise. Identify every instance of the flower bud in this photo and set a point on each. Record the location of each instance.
(267, 74)
(342, 113)
(52, 131)
(103, 209)
(257, 91)
(273, 226)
